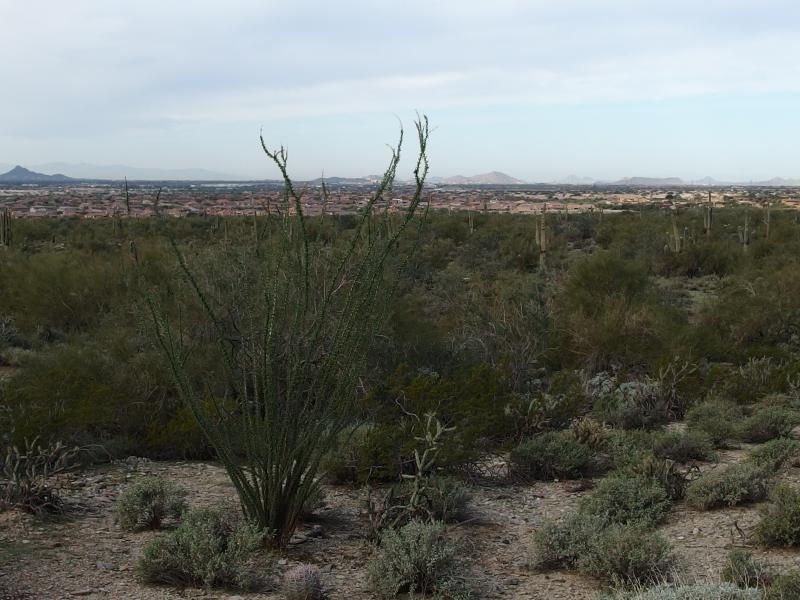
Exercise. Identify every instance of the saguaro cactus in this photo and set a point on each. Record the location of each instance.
(708, 216)
(744, 233)
(5, 227)
(767, 218)
(674, 237)
(541, 237)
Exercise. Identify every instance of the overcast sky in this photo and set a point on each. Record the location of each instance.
(537, 89)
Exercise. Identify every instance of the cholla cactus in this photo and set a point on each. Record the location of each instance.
(303, 582)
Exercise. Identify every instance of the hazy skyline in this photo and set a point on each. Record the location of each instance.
(538, 90)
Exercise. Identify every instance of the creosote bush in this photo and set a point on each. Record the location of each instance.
(626, 556)
(560, 544)
(780, 518)
(730, 486)
(551, 455)
(211, 547)
(775, 453)
(150, 500)
(303, 582)
(768, 423)
(623, 500)
(717, 419)
(418, 558)
(684, 446)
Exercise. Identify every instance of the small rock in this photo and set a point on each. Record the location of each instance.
(316, 532)
(105, 566)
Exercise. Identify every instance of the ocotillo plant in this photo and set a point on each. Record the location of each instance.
(292, 328)
(5, 228)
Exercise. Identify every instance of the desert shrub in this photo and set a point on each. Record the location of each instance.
(730, 486)
(27, 476)
(624, 500)
(149, 501)
(303, 582)
(775, 453)
(560, 544)
(211, 547)
(472, 399)
(418, 558)
(623, 449)
(345, 462)
(749, 382)
(631, 404)
(590, 433)
(715, 418)
(744, 571)
(627, 556)
(784, 587)
(551, 455)
(684, 446)
(609, 313)
(780, 518)
(445, 498)
(663, 471)
(768, 423)
(701, 591)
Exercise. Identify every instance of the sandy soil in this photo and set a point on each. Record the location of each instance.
(86, 555)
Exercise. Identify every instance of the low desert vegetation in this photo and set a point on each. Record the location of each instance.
(211, 547)
(408, 354)
(418, 558)
(148, 502)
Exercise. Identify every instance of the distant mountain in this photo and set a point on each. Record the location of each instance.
(491, 178)
(575, 180)
(649, 181)
(89, 171)
(22, 175)
(777, 182)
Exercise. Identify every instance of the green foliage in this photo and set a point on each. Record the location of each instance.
(610, 314)
(623, 500)
(744, 571)
(775, 453)
(419, 558)
(560, 544)
(471, 400)
(211, 548)
(780, 518)
(684, 446)
(303, 582)
(625, 555)
(551, 455)
(784, 587)
(717, 419)
(768, 423)
(146, 503)
(729, 486)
